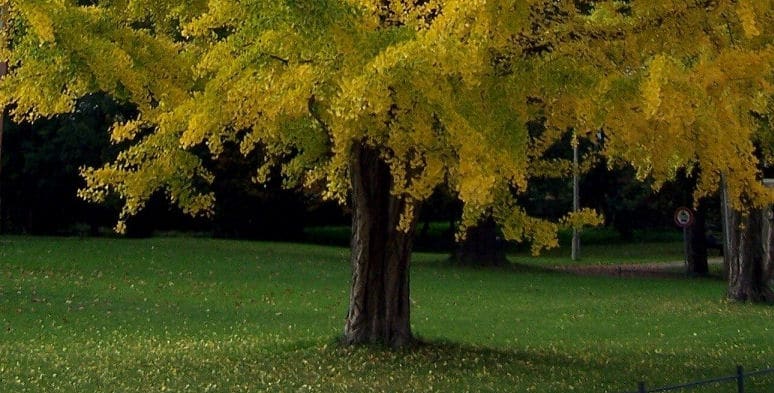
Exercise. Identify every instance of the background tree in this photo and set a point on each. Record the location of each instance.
(695, 108)
(42, 170)
(664, 105)
(696, 233)
(243, 208)
(43, 161)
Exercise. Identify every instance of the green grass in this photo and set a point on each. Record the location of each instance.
(197, 315)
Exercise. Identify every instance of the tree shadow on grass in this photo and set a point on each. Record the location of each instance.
(643, 270)
(509, 268)
(439, 365)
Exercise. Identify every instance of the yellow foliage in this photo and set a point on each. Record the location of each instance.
(747, 16)
(125, 131)
(651, 88)
(39, 20)
(582, 218)
(443, 90)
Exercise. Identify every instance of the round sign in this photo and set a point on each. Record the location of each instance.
(683, 217)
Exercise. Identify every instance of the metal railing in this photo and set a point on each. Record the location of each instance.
(739, 377)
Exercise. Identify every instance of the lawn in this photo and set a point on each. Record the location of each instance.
(198, 315)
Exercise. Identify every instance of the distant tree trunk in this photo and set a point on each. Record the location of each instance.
(379, 306)
(749, 270)
(697, 244)
(482, 246)
(768, 246)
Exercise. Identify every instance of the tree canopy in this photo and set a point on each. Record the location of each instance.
(443, 89)
(303, 81)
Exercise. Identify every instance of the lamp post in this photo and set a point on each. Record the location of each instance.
(3, 71)
(575, 197)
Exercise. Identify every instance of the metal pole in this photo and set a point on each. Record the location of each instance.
(725, 216)
(3, 71)
(575, 197)
(685, 249)
(740, 378)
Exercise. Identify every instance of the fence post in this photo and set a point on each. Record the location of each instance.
(641, 388)
(740, 378)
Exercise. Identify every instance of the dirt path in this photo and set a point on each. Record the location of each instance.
(657, 269)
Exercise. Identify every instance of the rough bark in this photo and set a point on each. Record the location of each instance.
(697, 244)
(748, 257)
(482, 246)
(379, 306)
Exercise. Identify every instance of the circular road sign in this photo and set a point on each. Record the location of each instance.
(683, 217)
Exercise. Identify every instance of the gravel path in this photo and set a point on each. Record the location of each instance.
(658, 269)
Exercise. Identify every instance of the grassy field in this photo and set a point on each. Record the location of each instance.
(201, 315)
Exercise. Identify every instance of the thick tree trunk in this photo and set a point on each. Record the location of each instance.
(697, 244)
(748, 257)
(747, 243)
(482, 246)
(379, 306)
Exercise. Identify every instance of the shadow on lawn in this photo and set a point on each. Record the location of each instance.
(663, 270)
(449, 358)
(650, 270)
(441, 365)
(438, 364)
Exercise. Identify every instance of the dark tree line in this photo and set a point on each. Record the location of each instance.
(40, 170)
(40, 181)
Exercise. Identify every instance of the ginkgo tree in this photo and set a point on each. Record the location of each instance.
(671, 86)
(371, 103)
(700, 103)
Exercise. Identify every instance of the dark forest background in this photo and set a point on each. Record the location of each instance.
(41, 161)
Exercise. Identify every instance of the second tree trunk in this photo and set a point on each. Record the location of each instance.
(748, 259)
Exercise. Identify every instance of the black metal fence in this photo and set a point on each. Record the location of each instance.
(739, 378)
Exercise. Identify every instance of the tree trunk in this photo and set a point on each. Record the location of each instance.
(379, 306)
(747, 248)
(482, 246)
(748, 257)
(697, 244)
